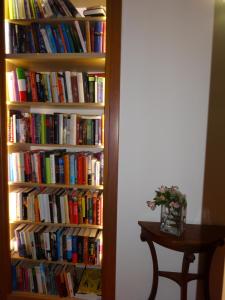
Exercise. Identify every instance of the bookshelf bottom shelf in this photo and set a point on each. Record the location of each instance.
(18, 295)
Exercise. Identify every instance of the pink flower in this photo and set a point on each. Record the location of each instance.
(151, 204)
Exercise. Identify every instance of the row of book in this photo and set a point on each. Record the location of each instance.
(53, 243)
(56, 166)
(34, 9)
(57, 128)
(56, 87)
(67, 206)
(76, 37)
(56, 279)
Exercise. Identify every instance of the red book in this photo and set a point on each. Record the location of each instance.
(79, 169)
(94, 212)
(70, 204)
(33, 86)
(85, 250)
(75, 211)
(74, 87)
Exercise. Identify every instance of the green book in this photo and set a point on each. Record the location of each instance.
(48, 170)
(43, 129)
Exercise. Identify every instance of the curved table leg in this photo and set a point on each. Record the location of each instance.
(187, 259)
(155, 271)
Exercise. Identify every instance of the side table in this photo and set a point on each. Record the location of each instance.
(195, 239)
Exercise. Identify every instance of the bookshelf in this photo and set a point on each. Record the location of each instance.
(83, 62)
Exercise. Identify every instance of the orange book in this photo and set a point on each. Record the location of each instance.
(88, 36)
(80, 213)
(85, 250)
(36, 209)
(104, 38)
(67, 168)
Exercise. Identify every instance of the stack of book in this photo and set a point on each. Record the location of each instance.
(69, 206)
(32, 9)
(57, 128)
(52, 243)
(56, 279)
(56, 87)
(76, 37)
(56, 166)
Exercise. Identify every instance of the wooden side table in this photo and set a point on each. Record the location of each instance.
(195, 239)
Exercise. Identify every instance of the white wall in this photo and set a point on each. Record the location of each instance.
(165, 73)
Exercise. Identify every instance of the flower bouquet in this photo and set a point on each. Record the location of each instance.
(173, 209)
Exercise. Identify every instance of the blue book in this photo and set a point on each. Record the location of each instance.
(72, 169)
(75, 168)
(51, 39)
(59, 43)
(41, 45)
(13, 272)
(98, 36)
(59, 233)
(61, 170)
(69, 37)
(74, 248)
(69, 245)
(69, 50)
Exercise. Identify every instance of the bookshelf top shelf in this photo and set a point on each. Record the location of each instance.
(58, 61)
(56, 185)
(53, 20)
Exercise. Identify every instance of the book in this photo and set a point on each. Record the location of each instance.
(95, 11)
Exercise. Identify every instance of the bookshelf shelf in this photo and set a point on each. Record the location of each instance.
(56, 185)
(58, 224)
(28, 295)
(64, 262)
(54, 20)
(56, 61)
(55, 105)
(92, 147)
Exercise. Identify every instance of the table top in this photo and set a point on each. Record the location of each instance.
(195, 238)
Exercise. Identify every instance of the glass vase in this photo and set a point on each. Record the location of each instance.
(173, 219)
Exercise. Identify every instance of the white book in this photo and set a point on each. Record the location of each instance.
(62, 208)
(7, 41)
(80, 85)
(66, 10)
(66, 209)
(47, 208)
(39, 281)
(68, 86)
(46, 9)
(21, 167)
(28, 9)
(52, 168)
(83, 44)
(73, 129)
(41, 207)
(46, 41)
(60, 128)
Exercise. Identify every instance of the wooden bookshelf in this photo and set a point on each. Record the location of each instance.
(56, 185)
(71, 62)
(55, 105)
(59, 262)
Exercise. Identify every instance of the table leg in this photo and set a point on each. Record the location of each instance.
(208, 260)
(187, 259)
(155, 271)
